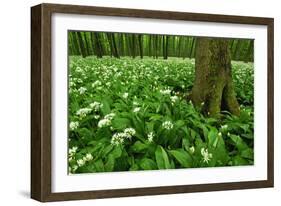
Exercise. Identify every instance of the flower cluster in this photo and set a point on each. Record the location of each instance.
(150, 137)
(206, 156)
(71, 156)
(73, 125)
(130, 132)
(96, 83)
(109, 116)
(83, 112)
(174, 99)
(119, 138)
(165, 92)
(125, 95)
(224, 127)
(72, 151)
(82, 90)
(167, 125)
(81, 162)
(106, 121)
(96, 106)
(136, 109)
(192, 149)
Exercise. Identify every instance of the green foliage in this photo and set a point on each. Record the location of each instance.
(133, 115)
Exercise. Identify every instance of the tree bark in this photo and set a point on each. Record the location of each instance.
(213, 85)
(81, 45)
(98, 45)
(140, 45)
(114, 46)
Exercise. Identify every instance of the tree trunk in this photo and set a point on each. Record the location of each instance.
(179, 46)
(87, 49)
(249, 54)
(81, 45)
(156, 46)
(191, 47)
(97, 43)
(133, 46)
(149, 45)
(166, 47)
(140, 45)
(114, 46)
(213, 85)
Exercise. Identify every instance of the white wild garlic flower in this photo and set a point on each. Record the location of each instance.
(119, 138)
(96, 83)
(167, 125)
(96, 106)
(150, 136)
(206, 156)
(83, 112)
(125, 95)
(174, 98)
(192, 149)
(104, 123)
(73, 125)
(81, 162)
(165, 92)
(82, 90)
(137, 109)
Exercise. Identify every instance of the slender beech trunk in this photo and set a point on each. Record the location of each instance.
(249, 56)
(213, 83)
(81, 45)
(186, 45)
(110, 44)
(114, 45)
(133, 45)
(87, 45)
(165, 47)
(179, 46)
(140, 45)
(237, 49)
(191, 47)
(156, 46)
(149, 45)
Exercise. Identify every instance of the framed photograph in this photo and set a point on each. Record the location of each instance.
(128, 102)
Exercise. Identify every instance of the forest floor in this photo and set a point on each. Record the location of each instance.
(133, 114)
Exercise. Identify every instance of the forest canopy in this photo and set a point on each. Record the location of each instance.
(140, 45)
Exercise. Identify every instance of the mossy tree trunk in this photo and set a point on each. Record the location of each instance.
(213, 85)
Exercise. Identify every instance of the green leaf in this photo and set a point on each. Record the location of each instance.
(185, 143)
(107, 149)
(182, 157)
(99, 166)
(105, 109)
(239, 143)
(109, 165)
(248, 153)
(238, 160)
(162, 158)
(121, 123)
(116, 152)
(134, 167)
(150, 126)
(205, 131)
(148, 164)
(179, 124)
(193, 134)
(155, 117)
(213, 137)
(139, 147)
